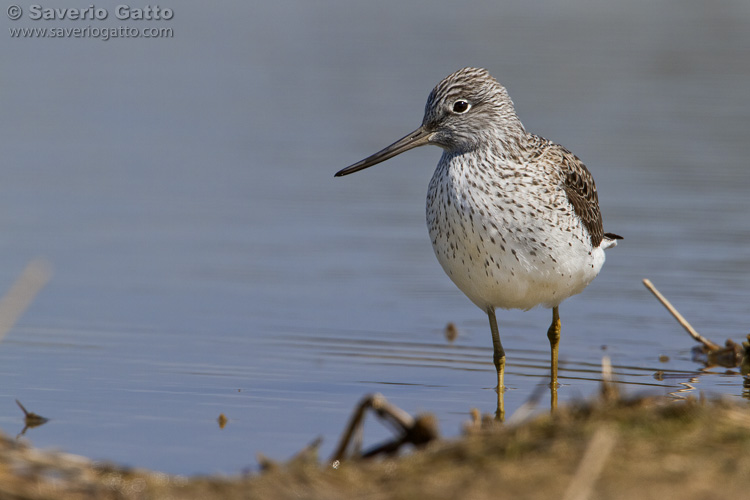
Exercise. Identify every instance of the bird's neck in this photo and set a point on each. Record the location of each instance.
(502, 142)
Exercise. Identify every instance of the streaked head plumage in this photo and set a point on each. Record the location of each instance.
(469, 107)
(468, 110)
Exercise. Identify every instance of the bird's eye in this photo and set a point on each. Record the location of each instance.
(461, 106)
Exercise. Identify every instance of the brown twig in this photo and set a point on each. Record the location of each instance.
(416, 431)
(30, 419)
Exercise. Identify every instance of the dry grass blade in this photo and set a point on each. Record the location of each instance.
(682, 321)
(592, 463)
(13, 304)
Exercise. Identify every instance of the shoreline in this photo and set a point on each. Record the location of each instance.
(616, 447)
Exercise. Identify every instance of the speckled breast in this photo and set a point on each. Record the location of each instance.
(503, 237)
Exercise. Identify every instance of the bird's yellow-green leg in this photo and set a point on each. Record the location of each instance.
(553, 334)
(498, 357)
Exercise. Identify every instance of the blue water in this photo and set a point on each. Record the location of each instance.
(206, 261)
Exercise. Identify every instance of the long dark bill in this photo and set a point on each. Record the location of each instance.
(419, 137)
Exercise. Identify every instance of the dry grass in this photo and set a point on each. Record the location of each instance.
(608, 449)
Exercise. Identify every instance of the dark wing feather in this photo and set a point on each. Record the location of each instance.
(576, 181)
(581, 190)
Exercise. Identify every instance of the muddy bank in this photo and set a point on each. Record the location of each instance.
(649, 448)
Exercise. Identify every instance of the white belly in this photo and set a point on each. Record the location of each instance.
(512, 246)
